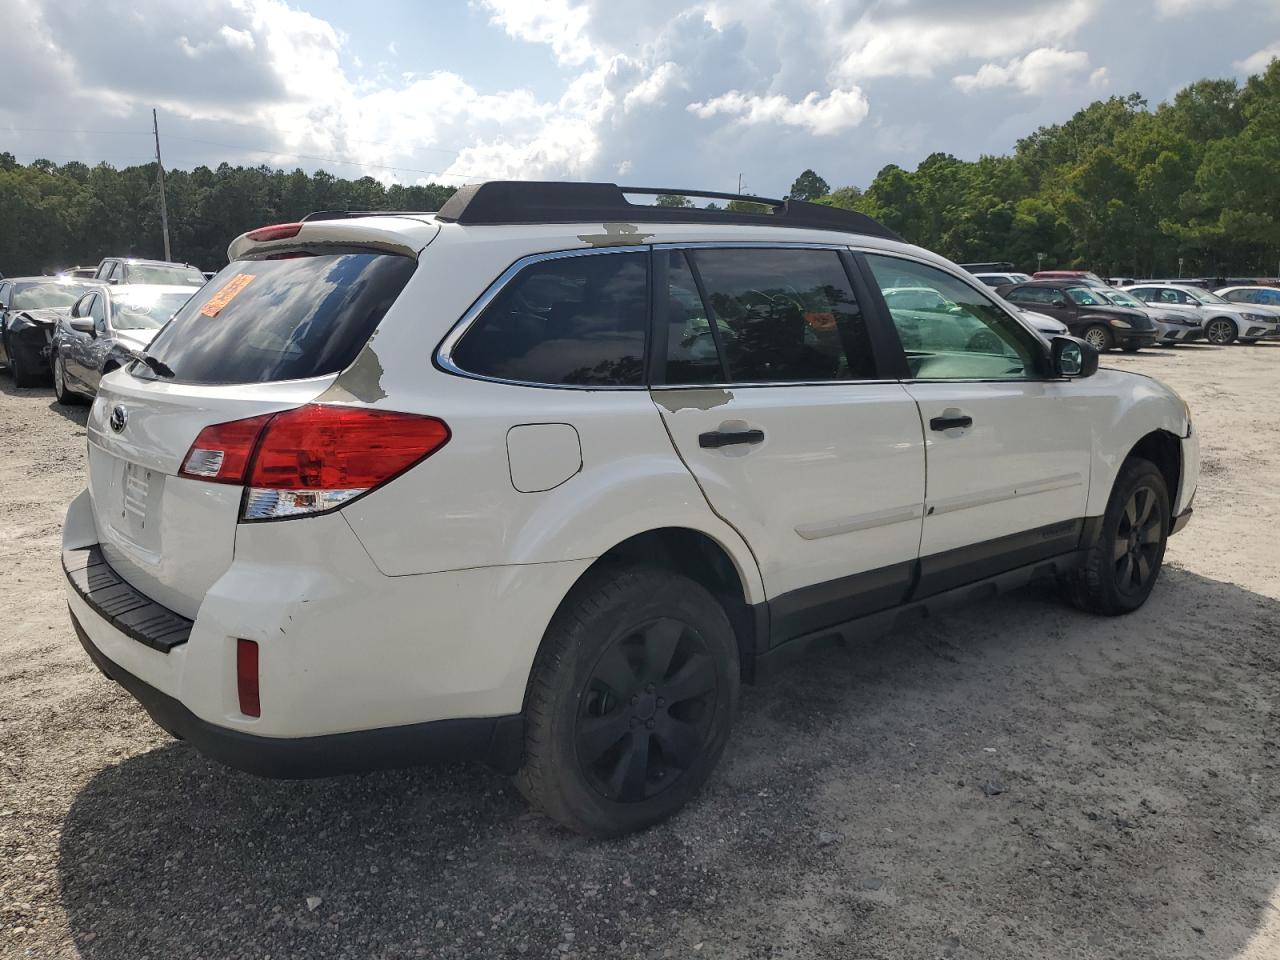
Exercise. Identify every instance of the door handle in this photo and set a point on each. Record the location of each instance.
(946, 423)
(726, 438)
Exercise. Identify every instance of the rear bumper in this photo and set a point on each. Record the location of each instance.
(495, 740)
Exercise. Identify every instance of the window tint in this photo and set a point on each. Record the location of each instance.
(569, 320)
(692, 352)
(98, 310)
(781, 316)
(960, 335)
(264, 320)
(1031, 295)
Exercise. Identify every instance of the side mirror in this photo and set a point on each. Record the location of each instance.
(1073, 358)
(82, 324)
(113, 280)
(1059, 303)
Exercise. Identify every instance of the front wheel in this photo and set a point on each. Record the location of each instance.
(630, 701)
(1098, 337)
(1123, 562)
(1220, 331)
(22, 369)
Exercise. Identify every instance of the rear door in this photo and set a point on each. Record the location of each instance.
(771, 388)
(265, 336)
(1007, 449)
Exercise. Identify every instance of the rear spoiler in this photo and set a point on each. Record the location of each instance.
(399, 235)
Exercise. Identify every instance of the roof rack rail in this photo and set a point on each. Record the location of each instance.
(532, 201)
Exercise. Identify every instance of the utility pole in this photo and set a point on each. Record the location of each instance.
(164, 207)
(739, 184)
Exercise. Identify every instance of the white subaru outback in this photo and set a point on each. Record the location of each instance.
(541, 478)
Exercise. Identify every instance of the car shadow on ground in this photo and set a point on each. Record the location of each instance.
(78, 412)
(1018, 779)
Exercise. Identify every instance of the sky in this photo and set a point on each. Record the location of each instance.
(668, 93)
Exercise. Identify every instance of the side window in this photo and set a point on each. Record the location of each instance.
(80, 307)
(772, 316)
(1271, 297)
(1085, 297)
(960, 335)
(98, 310)
(1029, 295)
(4, 295)
(693, 352)
(576, 320)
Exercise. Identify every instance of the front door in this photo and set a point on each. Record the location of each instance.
(1007, 447)
(772, 394)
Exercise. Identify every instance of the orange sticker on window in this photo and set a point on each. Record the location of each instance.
(821, 322)
(224, 296)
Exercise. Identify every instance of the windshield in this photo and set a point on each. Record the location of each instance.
(154, 273)
(142, 311)
(1086, 296)
(53, 294)
(1204, 296)
(1123, 299)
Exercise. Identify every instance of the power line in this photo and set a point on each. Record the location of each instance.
(309, 156)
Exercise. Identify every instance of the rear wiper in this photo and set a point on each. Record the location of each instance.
(158, 367)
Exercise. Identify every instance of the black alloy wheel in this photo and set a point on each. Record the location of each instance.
(1139, 542)
(646, 710)
(1123, 560)
(630, 701)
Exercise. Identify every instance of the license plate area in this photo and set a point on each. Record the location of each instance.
(138, 515)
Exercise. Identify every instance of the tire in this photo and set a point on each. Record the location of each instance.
(1123, 563)
(61, 393)
(1099, 337)
(1220, 331)
(20, 368)
(606, 752)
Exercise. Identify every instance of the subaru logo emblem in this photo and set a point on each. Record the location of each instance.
(119, 417)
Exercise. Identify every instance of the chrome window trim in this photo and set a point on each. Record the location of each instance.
(750, 244)
(444, 353)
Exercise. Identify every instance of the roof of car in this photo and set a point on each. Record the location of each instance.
(126, 289)
(77, 281)
(1058, 282)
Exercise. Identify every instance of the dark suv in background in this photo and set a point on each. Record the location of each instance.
(127, 270)
(1086, 312)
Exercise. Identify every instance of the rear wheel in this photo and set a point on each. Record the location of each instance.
(60, 392)
(630, 702)
(1220, 331)
(1124, 561)
(1098, 337)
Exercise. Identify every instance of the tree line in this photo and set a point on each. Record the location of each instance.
(1120, 188)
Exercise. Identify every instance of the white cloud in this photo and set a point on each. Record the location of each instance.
(839, 110)
(1258, 62)
(1181, 8)
(1041, 71)
(559, 23)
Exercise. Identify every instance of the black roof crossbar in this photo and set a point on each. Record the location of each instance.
(532, 201)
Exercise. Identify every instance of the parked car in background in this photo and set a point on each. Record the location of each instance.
(78, 273)
(1174, 323)
(1087, 313)
(106, 329)
(29, 311)
(301, 508)
(1000, 279)
(1224, 322)
(1043, 322)
(1261, 296)
(1085, 275)
(127, 271)
(1119, 281)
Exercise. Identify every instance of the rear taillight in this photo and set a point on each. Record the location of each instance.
(312, 458)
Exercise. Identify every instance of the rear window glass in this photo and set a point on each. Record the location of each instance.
(42, 295)
(265, 320)
(150, 273)
(568, 321)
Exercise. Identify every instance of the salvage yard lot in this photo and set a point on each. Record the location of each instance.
(1016, 780)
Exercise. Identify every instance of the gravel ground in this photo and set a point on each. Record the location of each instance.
(1017, 780)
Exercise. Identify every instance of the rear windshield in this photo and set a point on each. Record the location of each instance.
(151, 273)
(55, 294)
(264, 320)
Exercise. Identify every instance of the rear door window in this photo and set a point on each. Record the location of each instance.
(764, 316)
(265, 320)
(565, 321)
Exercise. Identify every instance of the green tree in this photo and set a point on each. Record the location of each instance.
(672, 200)
(809, 186)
